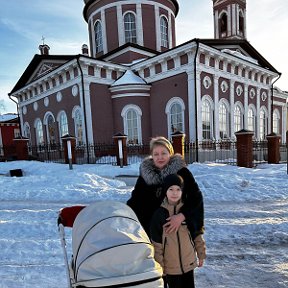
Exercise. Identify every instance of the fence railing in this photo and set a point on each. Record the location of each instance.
(208, 151)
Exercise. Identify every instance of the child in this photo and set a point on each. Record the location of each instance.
(176, 252)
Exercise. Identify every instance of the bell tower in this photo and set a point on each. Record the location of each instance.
(229, 19)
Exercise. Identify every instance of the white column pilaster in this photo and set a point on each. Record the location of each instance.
(104, 33)
(157, 24)
(216, 105)
(139, 26)
(257, 136)
(245, 120)
(121, 30)
(232, 101)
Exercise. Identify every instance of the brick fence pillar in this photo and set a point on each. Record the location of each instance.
(273, 148)
(72, 140)
(21, 148)
(178, 139)
(121, 150)
(244, 148)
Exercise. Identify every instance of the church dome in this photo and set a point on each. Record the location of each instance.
(147, 24)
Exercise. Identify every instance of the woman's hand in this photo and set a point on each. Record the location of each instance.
(200, 262)
(173, 223)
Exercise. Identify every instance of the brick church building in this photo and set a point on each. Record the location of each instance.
(133, 79)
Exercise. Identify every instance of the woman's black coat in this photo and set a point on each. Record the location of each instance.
(148, 195)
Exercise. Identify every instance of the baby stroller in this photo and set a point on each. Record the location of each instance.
(109, 246)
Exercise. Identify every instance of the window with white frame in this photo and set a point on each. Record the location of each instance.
(39, 132)
(251, 119)
(63, 124)
(238, 118)
(263, 124)
(206, 120)
(132, 124)
(98, 37)
(50, 127)
(164, 32)
(130, 28)
(175, 115)
(276, 119)
(223, 121)
(17, 133)
(27, 132)
(176, 118)
(78, 127)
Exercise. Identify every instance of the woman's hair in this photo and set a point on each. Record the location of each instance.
(161, 141)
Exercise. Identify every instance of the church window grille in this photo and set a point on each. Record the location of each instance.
(132, 124)
(238, 118)
(176, 118)
(130, 28)
(63, 124)
(78, 127)
(276, 120)
(251, 119)
(164, 32)
(263, 124)
(206, 120)
(98, 37)
(50, 129)
(223, 121)
(39, 133)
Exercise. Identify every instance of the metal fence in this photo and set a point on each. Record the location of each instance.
(208, 151)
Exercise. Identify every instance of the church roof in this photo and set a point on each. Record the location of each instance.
(34, 64)
(221, 44)
(128, 78)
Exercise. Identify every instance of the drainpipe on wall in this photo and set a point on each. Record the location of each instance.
(195, 92)
(19, 122)
(272, 104)
(84, 107)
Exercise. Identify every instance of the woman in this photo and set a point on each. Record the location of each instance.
(147, 195)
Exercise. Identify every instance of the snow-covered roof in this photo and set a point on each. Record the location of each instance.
(7, 117)
(129, 77)
(240, 55)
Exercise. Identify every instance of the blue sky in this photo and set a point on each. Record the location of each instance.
(23, 23)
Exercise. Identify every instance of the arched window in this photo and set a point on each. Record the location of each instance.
(223, 121)
(63, 124)
(175, 115)
(263, 124)
(164, 32)
(132, 124)
(223, 25)
(251, 119)
(50, 129)
(27, 132)
(176, 118)
(39, 132)
(276, 119)
(130, 28)
(238, 118)
(241, 23)
(98, 37)
(206, 120)
(78, 126)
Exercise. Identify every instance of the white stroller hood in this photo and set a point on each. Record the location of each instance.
(111, 249)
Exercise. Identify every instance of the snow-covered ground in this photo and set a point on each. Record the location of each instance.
(246, 219)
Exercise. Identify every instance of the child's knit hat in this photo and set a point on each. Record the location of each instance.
(170, 180)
